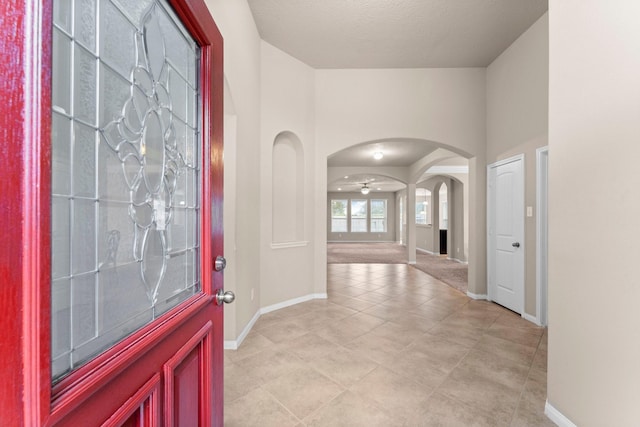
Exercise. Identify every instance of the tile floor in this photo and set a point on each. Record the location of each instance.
(392, 346)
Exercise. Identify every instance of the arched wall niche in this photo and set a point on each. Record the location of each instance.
(287, 188)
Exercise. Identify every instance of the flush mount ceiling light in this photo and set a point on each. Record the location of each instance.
(365, 189)
(378, 155)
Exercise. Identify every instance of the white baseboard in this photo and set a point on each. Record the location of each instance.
(556, 416)
(477, 296)
(532, 319)
(458, 261)
(234, 344)
(411, 263)
(424, 251)
(288, 303)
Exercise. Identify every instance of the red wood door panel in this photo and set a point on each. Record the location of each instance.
(168, 372)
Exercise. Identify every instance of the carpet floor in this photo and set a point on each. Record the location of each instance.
(450, 272)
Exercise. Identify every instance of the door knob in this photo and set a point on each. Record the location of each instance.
(220, 263)
(516, 244)
(223, 297)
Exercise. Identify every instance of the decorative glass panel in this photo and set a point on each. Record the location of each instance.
(125, 173)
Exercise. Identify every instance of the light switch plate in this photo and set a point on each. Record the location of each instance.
(529, 211)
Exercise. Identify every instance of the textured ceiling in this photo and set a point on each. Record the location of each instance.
(394, 33)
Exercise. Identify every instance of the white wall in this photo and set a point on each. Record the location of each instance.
(594, 212)
(287, 104)
(446, 106)
(517, 122)
(242, 74)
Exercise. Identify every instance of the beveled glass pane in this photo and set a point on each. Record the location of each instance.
(84, 161)
(61, 318)
(83, 291)
(61, 85)
(117, 39)
(85, 23)
(60, 237)
(126, 179)
(85, 94)
(84, 236)
(116, 235)
(61, 155)
(114, 93)
(178, 92)
(134, 10)
(111, 181)
(62, 14)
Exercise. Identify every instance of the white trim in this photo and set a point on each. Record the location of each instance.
(542, 288)
(424, 251)
(411, 263)
(234, 344)
(556, 416)
(477, 296)
(285, 245)
(288, 303)
(457, 260)
(530, 318)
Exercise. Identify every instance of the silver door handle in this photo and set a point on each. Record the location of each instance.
(220, 263)
(223, 297)
(516, 244)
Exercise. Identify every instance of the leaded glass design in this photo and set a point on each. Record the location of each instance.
(125, 172)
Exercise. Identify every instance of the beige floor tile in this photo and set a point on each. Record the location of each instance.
(303, 391)
(332, 311)
(270, 364)
(415, 322)
(392, 391)
(284, 331)
(482, 393)
(238, 382)
(352, 303)
(310, 346)
(379, 349)
(344, 366)
(508, 349)
(440, 352)
(258, 408)
(477, 364)
(467, 336)
(442, 411)
(252, 344)
(418, 367)
(500, 369)
(400, 334)
(351, 410)
(529, 336)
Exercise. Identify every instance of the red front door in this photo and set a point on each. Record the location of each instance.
(111, 213)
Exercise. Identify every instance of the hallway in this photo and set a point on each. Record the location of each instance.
(391, 346)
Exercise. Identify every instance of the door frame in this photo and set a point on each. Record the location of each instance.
(491, 245)
(542, 236)
(28, 397)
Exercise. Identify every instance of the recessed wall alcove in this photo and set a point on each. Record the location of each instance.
(287, 189)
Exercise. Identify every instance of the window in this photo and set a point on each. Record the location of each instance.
(338, 216)
(423, 206)
(378, 216)
(358, 216)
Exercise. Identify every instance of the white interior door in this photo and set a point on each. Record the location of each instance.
(505, 238)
